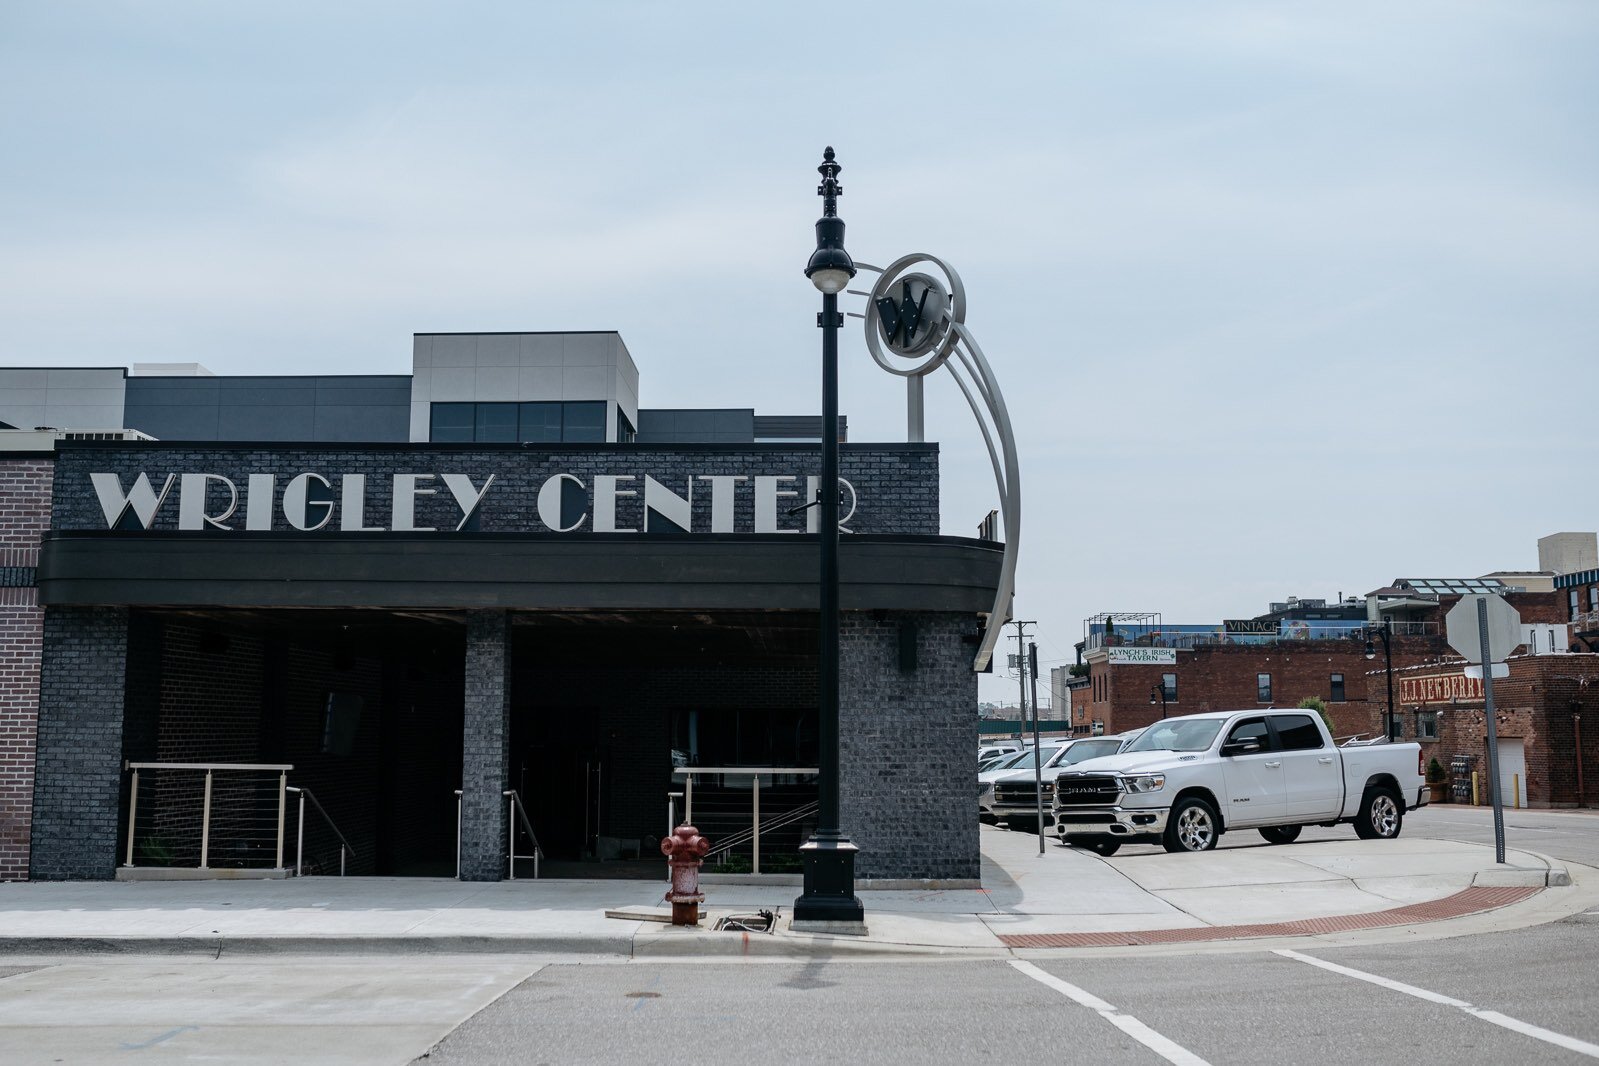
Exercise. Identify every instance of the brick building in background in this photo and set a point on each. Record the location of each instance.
(1300, 649)
(25, 483)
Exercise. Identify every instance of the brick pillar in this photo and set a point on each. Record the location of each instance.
(77, 785)
(907, 789)
(25, 487)
(486, 745)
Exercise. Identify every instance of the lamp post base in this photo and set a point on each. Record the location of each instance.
(828, 904)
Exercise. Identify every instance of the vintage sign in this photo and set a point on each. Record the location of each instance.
(1440, 688)
(1142, 656)
(1248, 625)
(309, 501)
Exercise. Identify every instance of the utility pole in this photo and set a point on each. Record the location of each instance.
(1021, 677)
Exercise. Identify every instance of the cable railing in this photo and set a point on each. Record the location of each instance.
(739, 816)
(206, 816)
(299, 837)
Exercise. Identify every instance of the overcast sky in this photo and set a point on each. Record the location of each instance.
(1285, 298)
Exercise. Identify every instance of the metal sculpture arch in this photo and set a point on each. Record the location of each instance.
(928, 333)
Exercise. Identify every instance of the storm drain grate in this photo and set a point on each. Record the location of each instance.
(1469, 901)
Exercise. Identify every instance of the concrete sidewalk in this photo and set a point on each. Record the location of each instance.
(1065, 897)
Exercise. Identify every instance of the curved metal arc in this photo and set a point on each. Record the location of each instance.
(1011, 498)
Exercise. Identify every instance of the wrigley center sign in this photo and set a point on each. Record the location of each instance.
(566, 502)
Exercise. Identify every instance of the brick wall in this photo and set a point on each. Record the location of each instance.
(25, 486)
(78, 778)
(906, 793)
(1539, 704)
(896, 485)
(486, 746)
(1223, 677)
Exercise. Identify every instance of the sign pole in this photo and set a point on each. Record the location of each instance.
(1493, 733)
(1038, 759)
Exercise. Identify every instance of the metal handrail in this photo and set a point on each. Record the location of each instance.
(519, 813)
(299, 845)
(745, 836)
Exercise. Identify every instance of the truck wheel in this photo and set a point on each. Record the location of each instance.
(1281, 834)
(1382, 815)
(1107, 848)
(1193, 826)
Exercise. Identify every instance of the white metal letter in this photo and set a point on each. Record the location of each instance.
(191, 502)
(766, 496)
(605, 494)
(141, 497)
(550, 503)
(467, 496)
(297, 502)
(258, 502)
(678, 510)
(723, 489)
(405, 494)
(352, 505)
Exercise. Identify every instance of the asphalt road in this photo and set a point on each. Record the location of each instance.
(1523, 996)
(1511, 997)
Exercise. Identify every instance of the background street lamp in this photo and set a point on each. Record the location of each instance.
(1158, 693)
(1386, 633)
(829, 856)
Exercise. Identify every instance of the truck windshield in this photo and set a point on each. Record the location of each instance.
(1084, 750)
(1192, 735)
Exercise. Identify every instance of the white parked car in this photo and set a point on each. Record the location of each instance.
(986, 752)
(1018, 761)
(1186, 781)
(1015, 792)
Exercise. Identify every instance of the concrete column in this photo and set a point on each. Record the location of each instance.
(486, 745)
(78, 774)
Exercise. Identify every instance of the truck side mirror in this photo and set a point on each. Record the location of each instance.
(1240, 747)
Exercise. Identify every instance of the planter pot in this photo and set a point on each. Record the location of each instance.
(1439, 791)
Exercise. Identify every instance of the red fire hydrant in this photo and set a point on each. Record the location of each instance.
(683, 850)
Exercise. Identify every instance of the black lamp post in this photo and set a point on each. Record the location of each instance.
(1158, 693)
(829, 856)
(1386, 633)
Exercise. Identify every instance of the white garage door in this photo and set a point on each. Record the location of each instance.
(1512, 772)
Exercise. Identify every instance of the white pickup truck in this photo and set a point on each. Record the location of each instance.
(1187, 780)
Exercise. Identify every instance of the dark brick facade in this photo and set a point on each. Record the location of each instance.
(78, 781)
(896, 484)
(486, 746)
(905, 777)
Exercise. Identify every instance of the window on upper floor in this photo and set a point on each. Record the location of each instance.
(1168, 685)
(539, 422)
(1337, 686)
(1263, 688)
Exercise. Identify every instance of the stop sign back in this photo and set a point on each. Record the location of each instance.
(1504, 628)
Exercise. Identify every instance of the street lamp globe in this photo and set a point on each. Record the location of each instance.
(830, 266)
(1371, 650)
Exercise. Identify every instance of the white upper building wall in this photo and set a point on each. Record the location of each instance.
(475, 367)
(1568, 553)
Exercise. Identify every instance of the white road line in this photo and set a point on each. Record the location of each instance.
(1548, 1036)
(1167, 1049)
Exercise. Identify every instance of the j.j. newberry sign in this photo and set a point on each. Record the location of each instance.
(312, 501)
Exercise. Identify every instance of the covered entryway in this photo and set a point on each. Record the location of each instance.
(605, 705)
(1513, 771)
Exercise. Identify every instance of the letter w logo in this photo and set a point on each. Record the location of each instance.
(141, 499)
(902, 320)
